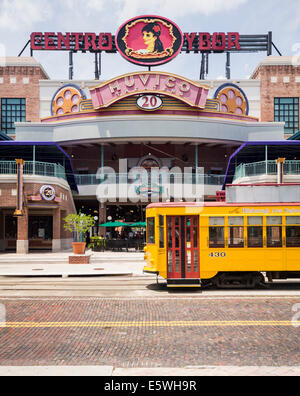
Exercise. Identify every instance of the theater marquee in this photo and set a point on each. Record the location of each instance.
(166, 84)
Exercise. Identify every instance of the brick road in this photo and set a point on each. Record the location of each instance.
(173, 332)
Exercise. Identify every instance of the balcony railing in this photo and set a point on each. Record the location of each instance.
(265, 168)
(91, 180)
(34, 168)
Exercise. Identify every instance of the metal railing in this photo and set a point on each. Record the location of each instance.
(90, 180)
(265, 168)
(34, 168)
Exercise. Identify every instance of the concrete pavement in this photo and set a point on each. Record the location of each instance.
(110, 371)
(56, 264)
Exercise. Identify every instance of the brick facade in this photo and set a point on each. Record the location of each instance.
(280, 78)
(58, 210)
(19, 78)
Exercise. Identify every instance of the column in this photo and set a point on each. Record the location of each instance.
(102, 219)
(22, 241)
(56, 239)
(196, 162)
(2, 236)
(280, 170)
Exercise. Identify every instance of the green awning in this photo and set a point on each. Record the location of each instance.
(141, 224)
(114, 224)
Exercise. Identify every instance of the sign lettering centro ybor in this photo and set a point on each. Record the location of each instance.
(151, 40)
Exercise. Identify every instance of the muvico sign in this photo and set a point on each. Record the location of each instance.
(161, 83)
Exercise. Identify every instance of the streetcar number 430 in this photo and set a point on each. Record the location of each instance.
(217, 254)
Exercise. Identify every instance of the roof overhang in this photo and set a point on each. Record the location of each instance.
(256, 151)
(44, 152)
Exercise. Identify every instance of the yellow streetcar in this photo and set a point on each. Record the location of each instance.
(224, 245)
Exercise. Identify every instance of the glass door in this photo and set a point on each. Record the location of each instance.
(183, 247)
(40, 232)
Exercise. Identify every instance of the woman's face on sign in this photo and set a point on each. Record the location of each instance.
(148, 38)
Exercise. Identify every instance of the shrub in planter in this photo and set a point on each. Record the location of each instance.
(78, 224)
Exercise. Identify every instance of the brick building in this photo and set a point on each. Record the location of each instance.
(280, 91)
(19, 91)
(88, 138)
(40, 227)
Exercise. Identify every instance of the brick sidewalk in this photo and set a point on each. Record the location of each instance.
(149, 333)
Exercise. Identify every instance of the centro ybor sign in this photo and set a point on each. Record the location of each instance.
(148, 40)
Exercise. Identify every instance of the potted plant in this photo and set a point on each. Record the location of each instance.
(78, 224)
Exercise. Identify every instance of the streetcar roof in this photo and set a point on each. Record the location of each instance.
(216, 204)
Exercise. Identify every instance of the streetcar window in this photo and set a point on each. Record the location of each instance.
(274, 236)
(255, 237)
(151, 230)
(255, 232)
(170, 238)
(293, 231)
(274, 220)
(236, 232)
(216, 232)
(293, 236)
(295, 220)
(255, 221)
(274, 231)
(216, 221)
(236, 221)
(216, 237)
(161, 232)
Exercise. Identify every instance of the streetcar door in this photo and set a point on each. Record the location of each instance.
(183, 250)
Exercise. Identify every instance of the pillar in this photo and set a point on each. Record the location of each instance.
(2, 236)
(102, 219)
(22, 241)
(56, 239)
(196, 162)
(280, 170)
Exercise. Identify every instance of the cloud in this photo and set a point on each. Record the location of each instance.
(174, 8)
(20, 14)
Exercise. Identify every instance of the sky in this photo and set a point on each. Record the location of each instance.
(19, 18)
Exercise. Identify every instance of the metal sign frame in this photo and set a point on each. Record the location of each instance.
(106, 42)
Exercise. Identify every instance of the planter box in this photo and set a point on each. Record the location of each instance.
(79, 259)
